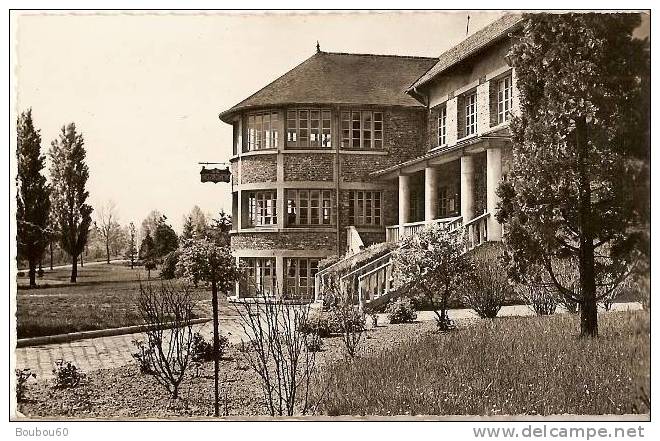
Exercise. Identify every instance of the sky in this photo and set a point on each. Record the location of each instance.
(145, 90)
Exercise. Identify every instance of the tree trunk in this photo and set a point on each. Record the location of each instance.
(131, 262)
(51, 254)
(216, 348)
(82, 265)
(32, 273)
(74, 268)
(589, 310)
(107, 252)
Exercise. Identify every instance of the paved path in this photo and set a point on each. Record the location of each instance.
(115, 351)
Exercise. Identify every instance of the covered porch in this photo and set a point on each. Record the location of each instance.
(457, 189)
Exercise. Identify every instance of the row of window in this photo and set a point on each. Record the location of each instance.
(261, 277)
(468, 111)
(313, 207)
(312, 128)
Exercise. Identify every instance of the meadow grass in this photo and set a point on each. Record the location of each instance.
(513, 365)
(104, 297)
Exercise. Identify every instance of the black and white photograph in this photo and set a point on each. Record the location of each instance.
(331, 215)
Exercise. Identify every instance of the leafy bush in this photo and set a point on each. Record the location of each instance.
(314, 343)
(203, 350)
(486, 289)
(22, 377)
(374, 319)
(40, 272)
(21, 274)
(168, 268)
(317, 322)
(401, 311)
(67, 375)
(143, 357)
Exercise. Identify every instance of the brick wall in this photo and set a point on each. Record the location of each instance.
(261, 168)
(309, 167)
(303, 240)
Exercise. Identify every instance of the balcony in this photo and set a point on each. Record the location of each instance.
(395, 233)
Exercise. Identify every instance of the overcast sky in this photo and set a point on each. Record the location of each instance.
(146, 89)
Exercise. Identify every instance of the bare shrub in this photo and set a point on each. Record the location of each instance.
(22, 377)
(278, 352)
(539, 296)
(487, 288)
(168, 310)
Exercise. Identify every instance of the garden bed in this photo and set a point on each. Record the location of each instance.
(512, 365)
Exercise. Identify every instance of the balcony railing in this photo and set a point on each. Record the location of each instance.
(477, 231)
(393, 232)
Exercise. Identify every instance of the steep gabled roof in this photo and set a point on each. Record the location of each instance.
(474, 43)
(339, 78)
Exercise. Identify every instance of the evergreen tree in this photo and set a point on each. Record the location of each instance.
(131, 251)
(69, 174)
(220, 228)
(579, 146)
(165, 239)
(32, 196)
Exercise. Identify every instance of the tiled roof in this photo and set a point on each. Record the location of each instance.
(470, 46)
(338, 78)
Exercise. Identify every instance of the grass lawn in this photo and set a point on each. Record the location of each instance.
(104, 297)
(515, 365)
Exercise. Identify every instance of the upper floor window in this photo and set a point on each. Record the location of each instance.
(262, 208)
(504, 99)
(364, 208)
(309, 207)
(362, 129)
(263, 130)
(442, 126)
(470, 114)
(310, 128)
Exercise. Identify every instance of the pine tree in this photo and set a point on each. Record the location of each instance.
(32, 197)
(131, 251)
(579, 146)
(69, 174)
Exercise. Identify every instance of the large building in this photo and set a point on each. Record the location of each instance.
(347, 150)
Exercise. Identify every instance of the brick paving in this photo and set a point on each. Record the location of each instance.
(108, 352)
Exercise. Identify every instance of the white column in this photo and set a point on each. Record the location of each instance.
(467, 188)
(430, 193)
(493, 179)
(404, 202)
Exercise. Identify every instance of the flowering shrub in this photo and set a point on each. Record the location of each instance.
(67, 375)
(203, 350)
(22, 377)
(401, 311)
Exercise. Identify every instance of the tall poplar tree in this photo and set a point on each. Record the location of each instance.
(32, 196)
(69, 174)
(580, 146)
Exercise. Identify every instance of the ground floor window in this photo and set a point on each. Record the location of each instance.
(261, 277)
(300, 274)
(364, 207)
(447, 205)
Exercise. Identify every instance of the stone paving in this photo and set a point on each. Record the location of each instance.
(108, 352)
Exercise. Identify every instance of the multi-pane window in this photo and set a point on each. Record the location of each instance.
(362, 129)
(504, 99)
(364, 207)
(261, 277)
(308, 128)
(263, 130)
(470, 114)
(446, 202)
(262, 207)
(300, 274)
(309, 207)
(442, 126)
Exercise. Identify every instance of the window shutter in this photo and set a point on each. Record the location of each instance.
(492, 99)
(433, 127)
(460, 117)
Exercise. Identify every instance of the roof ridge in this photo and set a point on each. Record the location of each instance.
(419, 57)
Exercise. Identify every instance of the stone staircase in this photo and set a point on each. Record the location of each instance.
(371, 278)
